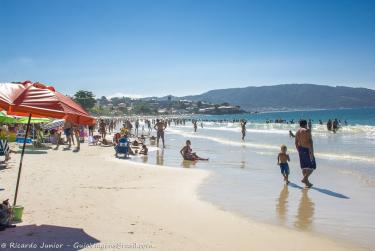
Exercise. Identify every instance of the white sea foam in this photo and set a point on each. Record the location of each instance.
(272, 148)
(272, 128)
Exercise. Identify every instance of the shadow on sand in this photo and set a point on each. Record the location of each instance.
(60, 238)
(322, 190)
(31, 151)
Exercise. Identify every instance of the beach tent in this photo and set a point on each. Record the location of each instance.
(54, 124)
(37, 100)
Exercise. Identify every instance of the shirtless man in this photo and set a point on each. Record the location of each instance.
(160, 127)
(102, 128)
(305, 148)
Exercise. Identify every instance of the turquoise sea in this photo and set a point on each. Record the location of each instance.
(355, 116)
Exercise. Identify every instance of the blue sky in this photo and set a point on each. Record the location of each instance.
(186, 47)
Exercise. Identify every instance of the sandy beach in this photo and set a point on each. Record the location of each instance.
(75, 199)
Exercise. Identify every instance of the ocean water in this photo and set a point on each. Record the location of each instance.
(355, 116)
(246, 180)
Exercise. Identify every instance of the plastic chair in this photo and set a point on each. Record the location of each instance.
(122, 147)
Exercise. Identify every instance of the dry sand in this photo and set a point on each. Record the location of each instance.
(91, 197)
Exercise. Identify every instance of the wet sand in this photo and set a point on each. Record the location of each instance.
(246, 180)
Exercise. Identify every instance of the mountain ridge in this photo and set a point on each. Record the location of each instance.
(290, 96)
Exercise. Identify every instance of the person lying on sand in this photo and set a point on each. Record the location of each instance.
(187, 153)
(105, 142)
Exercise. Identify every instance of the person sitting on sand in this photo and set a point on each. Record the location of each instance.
(305, 148)
(142, 139)
(144, 150)
(5, 215)
(187, 152)
(116, 137)
(282, 161)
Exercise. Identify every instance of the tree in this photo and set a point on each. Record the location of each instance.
(85, 98)
(142, 108)
(103, 100)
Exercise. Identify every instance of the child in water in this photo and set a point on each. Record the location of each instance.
(282, 161)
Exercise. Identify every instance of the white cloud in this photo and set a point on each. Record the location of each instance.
(120, 94)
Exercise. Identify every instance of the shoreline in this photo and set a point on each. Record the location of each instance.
(113, 201)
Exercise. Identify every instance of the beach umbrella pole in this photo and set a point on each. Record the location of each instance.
(20, 166)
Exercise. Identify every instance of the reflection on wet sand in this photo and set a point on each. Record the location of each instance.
(242, 164)
(188, 163)
(145, 158)
(160, 157)
(282, 204)
(243, 157)
(305, 212)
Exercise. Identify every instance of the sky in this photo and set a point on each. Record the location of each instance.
(182, 47)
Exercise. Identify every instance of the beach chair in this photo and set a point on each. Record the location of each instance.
(4, 147)
(122, 147)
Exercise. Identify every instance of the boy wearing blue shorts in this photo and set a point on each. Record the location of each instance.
(282, 161)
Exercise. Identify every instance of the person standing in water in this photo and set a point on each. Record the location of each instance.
(136, 126)
(305, 148)
(160, 126)
(282, 161)
(335, 125)
(195, 125)
(310, 125)
(243, 128)
(329, 125)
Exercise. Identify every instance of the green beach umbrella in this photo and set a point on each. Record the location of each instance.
(6, 119)
(25, 120)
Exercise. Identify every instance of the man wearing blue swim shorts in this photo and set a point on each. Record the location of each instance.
(305, 148)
